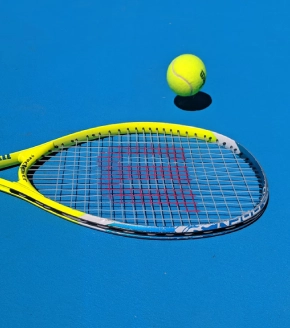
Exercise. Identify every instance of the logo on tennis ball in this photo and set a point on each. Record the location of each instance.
(203, 77)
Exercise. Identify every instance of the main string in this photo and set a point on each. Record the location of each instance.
(149, 179)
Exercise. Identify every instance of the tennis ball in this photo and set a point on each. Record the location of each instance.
(186, 75)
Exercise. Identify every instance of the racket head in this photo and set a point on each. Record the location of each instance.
(145, 179)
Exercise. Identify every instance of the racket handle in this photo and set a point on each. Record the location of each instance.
(18, 157)
(8, 160)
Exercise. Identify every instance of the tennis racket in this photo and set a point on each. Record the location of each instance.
(145, 179)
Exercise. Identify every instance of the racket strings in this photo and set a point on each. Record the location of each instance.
(149, 179)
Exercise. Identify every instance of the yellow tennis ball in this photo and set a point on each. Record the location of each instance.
(186, 75)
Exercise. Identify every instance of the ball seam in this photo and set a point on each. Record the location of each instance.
(182, 78)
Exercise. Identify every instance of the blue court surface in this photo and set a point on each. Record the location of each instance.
(66, 66)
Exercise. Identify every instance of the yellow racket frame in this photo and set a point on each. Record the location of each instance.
(26, 158)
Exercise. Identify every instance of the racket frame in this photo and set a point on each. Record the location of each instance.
(23, 189)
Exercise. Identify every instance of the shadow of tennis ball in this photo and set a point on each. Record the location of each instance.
(199, 101)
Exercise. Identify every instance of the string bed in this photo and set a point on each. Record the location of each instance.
(149, 179)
